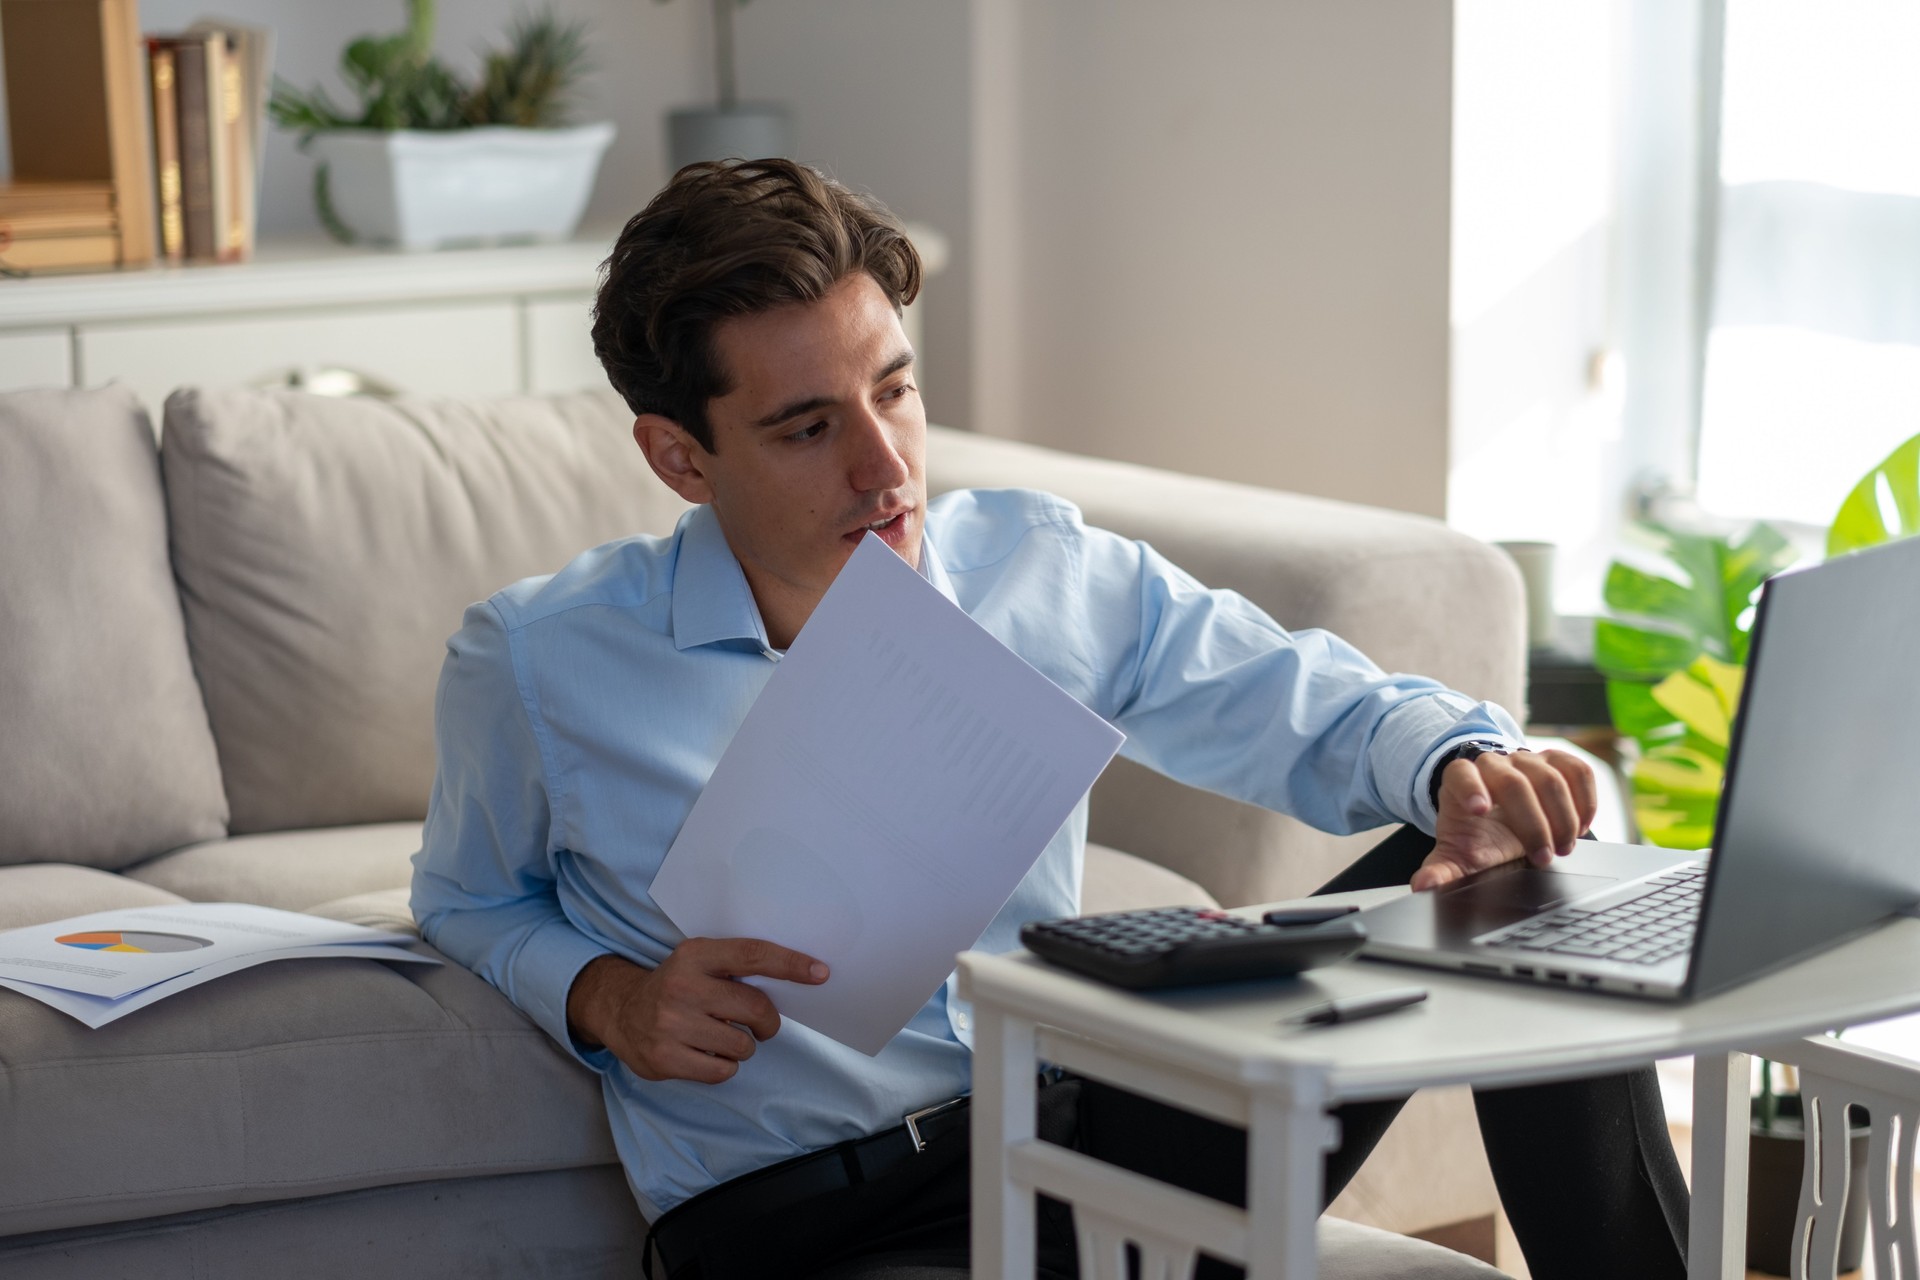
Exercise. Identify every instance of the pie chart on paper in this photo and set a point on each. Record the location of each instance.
(125, 940)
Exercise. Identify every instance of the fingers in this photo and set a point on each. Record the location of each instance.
(758, 958)
(1462, 785)
(1581, 782)
(1436, 870)
(1536, 804)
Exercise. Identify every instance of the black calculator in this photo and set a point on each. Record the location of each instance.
(1180, 946)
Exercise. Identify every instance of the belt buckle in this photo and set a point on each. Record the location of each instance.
(913, 1119)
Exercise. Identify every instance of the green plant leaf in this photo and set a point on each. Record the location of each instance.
(1861, 521)
(1676, 790)
(1703, 697)
(1635, 714)
(1625, 652)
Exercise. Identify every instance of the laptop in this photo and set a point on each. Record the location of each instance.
(1818, 828)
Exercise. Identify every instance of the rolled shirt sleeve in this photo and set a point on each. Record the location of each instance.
(483, 881)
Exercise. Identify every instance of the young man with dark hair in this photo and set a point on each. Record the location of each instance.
(750, 318)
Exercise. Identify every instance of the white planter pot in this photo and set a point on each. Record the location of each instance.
(427, 189)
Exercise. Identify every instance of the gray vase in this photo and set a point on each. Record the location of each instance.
(750, 131)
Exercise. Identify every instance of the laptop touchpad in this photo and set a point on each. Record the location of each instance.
(1490, 901)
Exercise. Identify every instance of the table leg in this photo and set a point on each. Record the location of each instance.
(1717, 1241)
(1287, 1140)
(1005, 1066)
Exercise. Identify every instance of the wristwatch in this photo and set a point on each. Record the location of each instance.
(1471, 749)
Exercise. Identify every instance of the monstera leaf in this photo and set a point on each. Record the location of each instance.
(1674, 657)
(1676, 783)
(1883, 506)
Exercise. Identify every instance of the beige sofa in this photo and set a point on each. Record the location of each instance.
(217, 662)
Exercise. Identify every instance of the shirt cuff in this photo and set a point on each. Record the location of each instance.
(1413, 737)
(1429, 816)
(548, 961)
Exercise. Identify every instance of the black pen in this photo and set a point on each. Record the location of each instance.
(1354, 1008)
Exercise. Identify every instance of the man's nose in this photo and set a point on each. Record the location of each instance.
(876, 462)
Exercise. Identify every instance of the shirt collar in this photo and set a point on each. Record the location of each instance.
(711, 599)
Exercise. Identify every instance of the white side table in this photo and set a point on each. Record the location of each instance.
(1221, 1052)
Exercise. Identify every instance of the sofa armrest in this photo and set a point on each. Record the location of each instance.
(1411, 593)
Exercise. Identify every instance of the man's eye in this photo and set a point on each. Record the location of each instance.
(899, 391)
(807, 432)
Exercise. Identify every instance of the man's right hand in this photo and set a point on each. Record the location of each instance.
(684, 1020)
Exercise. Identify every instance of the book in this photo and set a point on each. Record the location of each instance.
(60, 253)
(28, 195)
(30, 226)
(166, 150)
(249, 48)
(236, 177)
(194, 120)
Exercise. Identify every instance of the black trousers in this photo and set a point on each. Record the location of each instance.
(1584, 1169)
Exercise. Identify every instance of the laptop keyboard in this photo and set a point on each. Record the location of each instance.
(1653, 925)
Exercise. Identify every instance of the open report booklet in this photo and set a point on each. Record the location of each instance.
(106, 964)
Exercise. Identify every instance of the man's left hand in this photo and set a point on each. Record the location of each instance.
(1495, 809)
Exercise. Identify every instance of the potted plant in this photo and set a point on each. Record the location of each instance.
(426, 158)
(730, 129)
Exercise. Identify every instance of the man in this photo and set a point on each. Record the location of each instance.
(750, 318)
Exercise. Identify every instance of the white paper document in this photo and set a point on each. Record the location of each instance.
(896, 778)
(116, 953)
(98, 1011)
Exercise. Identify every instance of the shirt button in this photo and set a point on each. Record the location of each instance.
(962, 1021)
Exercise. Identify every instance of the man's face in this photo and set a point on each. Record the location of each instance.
(822, 437)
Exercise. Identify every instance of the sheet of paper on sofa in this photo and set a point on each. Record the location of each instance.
(895, 779)
(98, 1011)
(115, 953)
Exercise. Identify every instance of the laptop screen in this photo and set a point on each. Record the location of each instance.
(1819, 825)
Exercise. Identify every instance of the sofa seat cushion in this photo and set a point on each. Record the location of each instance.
(390, 909)
(293, 1078)
(1117, 881)
(107, 756)
(291, 870)
(1349, 1251)
(44, 891)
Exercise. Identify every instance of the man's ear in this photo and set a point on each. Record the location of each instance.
(675, 456)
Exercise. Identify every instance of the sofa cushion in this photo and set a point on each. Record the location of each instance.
(291, 870)
(1117, 881)
(41, 892)
(390, 909)
(293, 1078)
(326, 548)
(107, 757)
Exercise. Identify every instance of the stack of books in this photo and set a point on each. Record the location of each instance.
(49, 225)
(209, 86)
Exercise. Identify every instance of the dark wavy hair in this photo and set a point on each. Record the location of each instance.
(730, 238)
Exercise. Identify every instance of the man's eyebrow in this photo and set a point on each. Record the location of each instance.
(798, 407)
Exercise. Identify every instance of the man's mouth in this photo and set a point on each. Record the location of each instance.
(892, 530)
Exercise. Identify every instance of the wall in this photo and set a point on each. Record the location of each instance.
(1215, 237)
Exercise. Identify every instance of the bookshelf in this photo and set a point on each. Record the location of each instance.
(82, 187)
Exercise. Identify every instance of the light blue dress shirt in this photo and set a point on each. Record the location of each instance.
(579, 715)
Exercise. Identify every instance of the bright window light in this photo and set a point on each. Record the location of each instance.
(1794, 418)
(1822, 91)
(1820, 120)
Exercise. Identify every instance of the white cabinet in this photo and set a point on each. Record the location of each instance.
(36, 358)
(560, 344)
(461, 348)
(458, 322)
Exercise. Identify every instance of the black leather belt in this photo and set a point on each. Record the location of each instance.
(674, 1242)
